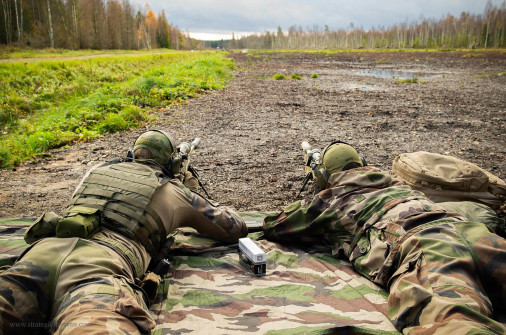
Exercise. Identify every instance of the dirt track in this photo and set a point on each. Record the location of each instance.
(250, 156)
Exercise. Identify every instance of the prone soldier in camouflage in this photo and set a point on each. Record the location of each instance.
(445, 274)
(70, 284)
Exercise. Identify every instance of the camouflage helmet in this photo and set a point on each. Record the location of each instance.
(159, 143)
(336, 157)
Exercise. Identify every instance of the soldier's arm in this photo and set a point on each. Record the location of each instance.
(226, 224)
(177, 206)
(190, 181)
(331, 210)
(298, 220)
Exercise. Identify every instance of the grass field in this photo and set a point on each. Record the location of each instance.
(50, 102)
(52, 98)
(15, 53)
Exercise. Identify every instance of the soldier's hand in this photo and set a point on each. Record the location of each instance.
(190, 181)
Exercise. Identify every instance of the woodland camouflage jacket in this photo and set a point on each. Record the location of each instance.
(404, 242)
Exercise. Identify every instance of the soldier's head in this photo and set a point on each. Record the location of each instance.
(154, 147)
(336, 157)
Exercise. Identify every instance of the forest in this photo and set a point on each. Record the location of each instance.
(117, 24)
(87, 24)
(467, 31)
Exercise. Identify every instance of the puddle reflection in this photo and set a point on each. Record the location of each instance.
(363, 88)
(393, 74)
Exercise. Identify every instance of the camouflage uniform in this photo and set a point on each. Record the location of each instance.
(445, 275)
(71, 285)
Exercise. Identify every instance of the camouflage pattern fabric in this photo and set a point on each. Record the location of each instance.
(475, 211)
(305, 291)
(12, 243)
(49, 282)
(207, 290)
(441, 271)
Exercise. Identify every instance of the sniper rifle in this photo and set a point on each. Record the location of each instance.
(312, 162)
(182, 161)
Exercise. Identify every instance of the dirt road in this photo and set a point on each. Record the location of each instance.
(250, 156)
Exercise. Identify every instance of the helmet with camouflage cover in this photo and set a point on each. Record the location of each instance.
(336, 157)
(160, 144)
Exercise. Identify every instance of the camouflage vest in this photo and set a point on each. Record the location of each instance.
(121, 194)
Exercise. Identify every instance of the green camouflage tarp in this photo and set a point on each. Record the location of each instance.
(12, 243)
(208, 291)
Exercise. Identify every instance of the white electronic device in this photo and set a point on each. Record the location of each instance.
(252, 256)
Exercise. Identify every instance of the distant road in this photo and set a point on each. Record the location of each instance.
(69, 57)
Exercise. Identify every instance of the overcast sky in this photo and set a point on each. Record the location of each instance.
(220, 18)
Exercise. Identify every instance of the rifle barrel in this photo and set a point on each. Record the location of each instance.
(195, 144)
(305, 146)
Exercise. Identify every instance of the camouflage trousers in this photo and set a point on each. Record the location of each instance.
(70, 286)
(444, 276)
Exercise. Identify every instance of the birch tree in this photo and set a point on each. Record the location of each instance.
(50, 25)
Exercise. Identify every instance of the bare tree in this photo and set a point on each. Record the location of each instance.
(17, 20)
(114, 12)
(68, 33)
(50, 25)
(128, 26)
(74, 21)
(7, 20)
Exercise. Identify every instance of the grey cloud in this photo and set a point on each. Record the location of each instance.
(261, 15)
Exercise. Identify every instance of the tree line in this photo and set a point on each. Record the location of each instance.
(87, 24)
(116, 24)
(485, 30)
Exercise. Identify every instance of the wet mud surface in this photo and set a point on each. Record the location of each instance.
(250, 156)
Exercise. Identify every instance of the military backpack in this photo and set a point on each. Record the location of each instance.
(446, 178)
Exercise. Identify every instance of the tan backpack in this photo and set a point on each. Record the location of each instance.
(446, 178)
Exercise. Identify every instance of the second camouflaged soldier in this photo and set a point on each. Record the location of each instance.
(445, 275)
(69, 284)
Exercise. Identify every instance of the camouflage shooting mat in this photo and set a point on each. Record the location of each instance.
(209, 291)
(12, 243)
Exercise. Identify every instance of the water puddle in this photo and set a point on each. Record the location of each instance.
(356, 87)
(363, 88)
(393, 74)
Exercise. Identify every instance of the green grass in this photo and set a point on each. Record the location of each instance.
(471, 55)
(279, 76)
(414, 80)
(12, 52)
(314, 75)
(490, 75)
(49, 104)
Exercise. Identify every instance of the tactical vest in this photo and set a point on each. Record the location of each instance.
(121, 194)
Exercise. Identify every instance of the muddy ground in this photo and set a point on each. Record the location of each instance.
(250, 156)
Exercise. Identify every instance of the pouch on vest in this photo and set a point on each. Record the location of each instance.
(80, 222)
(44, 226)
